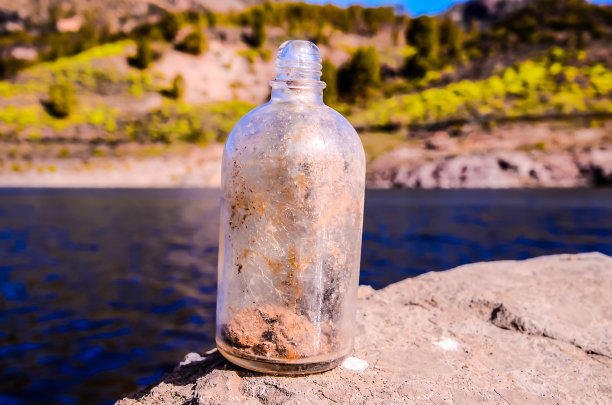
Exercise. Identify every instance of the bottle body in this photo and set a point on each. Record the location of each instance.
(293, 181)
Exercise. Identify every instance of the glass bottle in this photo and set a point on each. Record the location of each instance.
(293, 182)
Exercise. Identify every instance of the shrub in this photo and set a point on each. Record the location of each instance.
(415, 67)
(169, 26)
(524, 26)
(422, 33)
(330, 77)
(177, 89)
(193, 43)
(450, 40)
(144, 55)
(62, 100)
(10, 66)
(360, 75)
(258, 28)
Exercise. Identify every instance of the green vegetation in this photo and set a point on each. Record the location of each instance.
(188, 123)
(330, 77)
(169, 26)
(358, 78)
(62, 100)
(144, 55)
(177, 89)
(194, 43)
(420, 84)
(258, 28)
(309, 18)
(451, 41)
(422, 34)
(532, 88)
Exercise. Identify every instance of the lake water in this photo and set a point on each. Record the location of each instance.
(103, 291)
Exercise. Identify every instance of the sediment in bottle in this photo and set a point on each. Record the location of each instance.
(272, 331)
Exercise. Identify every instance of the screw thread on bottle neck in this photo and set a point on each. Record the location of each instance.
(298, 66)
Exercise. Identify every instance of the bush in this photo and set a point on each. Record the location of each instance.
(524, 26)
(330, 77)
(62, 100)
(360, 75)
(177, 89)
(451, 40)
(144, 55)
(169, 26)
(422, 33)
(193, 43)
(10, 66)
(258, 29)
(415, 67)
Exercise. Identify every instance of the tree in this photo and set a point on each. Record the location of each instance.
(422, 33)
(169, 26)
(451, 40)
(415, 67)
(258, 28)
(62, 99)
(144, 55)
(194, 43)
(358, 77)
(330, 77)
(524, 26)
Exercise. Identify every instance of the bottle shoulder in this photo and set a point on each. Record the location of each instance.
(293, 130)
(279, 118)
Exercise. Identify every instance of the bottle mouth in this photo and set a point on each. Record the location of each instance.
(298, 65)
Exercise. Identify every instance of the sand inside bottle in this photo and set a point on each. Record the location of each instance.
(272, 331)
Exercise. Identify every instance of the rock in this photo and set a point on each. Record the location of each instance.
(600, 164)
(501, 169)
(28, 53)
(529, 332)
(70, 24)
(442, 141)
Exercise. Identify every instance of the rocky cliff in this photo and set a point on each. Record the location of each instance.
(529, 332)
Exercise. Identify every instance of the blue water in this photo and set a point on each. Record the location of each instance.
(103, 291)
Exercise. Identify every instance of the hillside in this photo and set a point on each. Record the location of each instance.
(437, 104)
(119, 8)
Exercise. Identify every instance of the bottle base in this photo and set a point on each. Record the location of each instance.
(274, 367)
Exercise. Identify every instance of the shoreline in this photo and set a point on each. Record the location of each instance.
(544, 155)
(402, 168)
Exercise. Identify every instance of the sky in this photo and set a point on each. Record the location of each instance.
(413, 7)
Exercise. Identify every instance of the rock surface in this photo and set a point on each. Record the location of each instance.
(530, 332)
(547, 154)
(501, 169)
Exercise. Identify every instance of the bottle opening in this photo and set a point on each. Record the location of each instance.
(298, 64)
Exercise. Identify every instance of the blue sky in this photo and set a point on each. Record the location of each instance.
(413, 7)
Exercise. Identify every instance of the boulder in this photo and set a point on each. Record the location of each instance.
(511, 332)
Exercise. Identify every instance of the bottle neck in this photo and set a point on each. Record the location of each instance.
(297, 91)
(298, 70)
